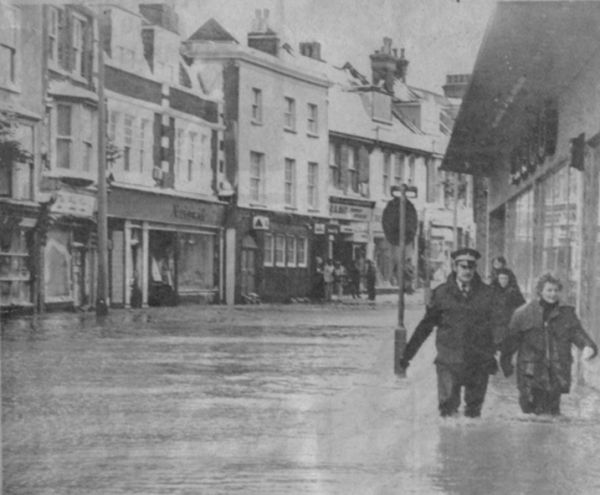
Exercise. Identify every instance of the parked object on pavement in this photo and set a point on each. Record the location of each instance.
(463, 311)
(542, 333)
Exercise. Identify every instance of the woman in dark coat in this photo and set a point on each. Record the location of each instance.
(542, 332)
(508, 298)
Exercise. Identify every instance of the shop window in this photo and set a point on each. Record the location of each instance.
(561, 224)
(195, 268)
(279, 250)
(291, 251)
(268, 250)
(301, 251)
(15, 279)
(520, 243)
(313, 185)
(57, 265)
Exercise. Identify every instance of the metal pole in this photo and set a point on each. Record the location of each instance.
(102, 293)
(400, 332)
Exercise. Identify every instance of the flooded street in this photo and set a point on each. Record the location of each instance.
(265, 400)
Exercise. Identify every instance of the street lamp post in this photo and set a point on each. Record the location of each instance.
(400, 332)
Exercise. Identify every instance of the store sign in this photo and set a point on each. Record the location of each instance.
(319, 228)
(349, 212)
(346, 229)
(73, 203)
(333, 228)
(261, 223)
(184, 212)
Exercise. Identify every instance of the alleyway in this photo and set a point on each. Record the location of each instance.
(293, 399)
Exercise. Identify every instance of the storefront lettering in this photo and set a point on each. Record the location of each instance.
(185, 214)
(349, 212)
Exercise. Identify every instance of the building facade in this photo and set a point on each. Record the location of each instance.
(164, 159)
(275, 158)
(534, 152)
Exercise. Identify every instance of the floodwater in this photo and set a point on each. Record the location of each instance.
(265, 400)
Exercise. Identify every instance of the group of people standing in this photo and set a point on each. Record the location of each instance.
(475, 322)
(332, 277)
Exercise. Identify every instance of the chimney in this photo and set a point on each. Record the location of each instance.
(311, 49)
(262, 37)
(401, 67)
(161, 14)
(383, 66)
(456, 85)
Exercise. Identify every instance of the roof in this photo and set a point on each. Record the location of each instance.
(530, 53)
(211, 30)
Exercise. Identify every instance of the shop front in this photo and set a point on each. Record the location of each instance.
(353, 217)
(273, 262)
(164, 250)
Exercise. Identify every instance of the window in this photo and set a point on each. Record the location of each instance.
(256, 105)
(290, 182)
(398, 169)
(64, 138)
(8, 45)
(53, 35)
(191, 155)
(257, 164)
(128, 142)
(386, 173)
(144, 144)
(301, 251)
(335, 157)
(78, 45)
(268, 259)
(290, 114)
(353, 169)
(113, 125)
(312, 184)
(87, 138)
(280, 250)
(291, 251)
(313, 119)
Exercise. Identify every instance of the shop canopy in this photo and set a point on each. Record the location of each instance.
(530, 53)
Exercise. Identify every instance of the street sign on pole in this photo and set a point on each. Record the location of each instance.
(390, 221)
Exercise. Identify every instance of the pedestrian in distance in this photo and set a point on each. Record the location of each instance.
(354, 279)
(508, 298)
(371, 279)
(542, 333)
(463, 311)
(499, 263)
(318, 282)
(328, 278)
(339, 277)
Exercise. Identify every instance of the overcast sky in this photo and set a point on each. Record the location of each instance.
(440, 36)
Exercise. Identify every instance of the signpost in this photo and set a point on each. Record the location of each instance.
(400, 227)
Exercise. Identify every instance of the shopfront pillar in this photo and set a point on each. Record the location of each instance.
(128, 262)
(145, 264)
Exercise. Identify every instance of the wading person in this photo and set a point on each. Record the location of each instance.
(508, 298)
(462, 310)
(542, 333)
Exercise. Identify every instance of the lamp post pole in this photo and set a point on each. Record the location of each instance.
(400, 332)
(102, 292)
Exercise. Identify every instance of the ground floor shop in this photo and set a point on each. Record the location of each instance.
(164, 250)
(17, 255)
(553, 225)
(274, 256)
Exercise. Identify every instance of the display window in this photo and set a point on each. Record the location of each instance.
(15, 278)
(196, 262)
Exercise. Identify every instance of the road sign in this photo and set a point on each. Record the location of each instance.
(390, 221)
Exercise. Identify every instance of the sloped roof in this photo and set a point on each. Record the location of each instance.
(211, 30)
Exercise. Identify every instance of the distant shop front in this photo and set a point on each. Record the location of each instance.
(164, 250)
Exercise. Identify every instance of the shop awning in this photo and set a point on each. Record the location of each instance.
(530, 53)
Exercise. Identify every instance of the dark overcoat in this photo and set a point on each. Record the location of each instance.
(544, 349)
(465, 327)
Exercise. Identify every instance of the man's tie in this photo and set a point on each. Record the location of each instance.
(465, 290)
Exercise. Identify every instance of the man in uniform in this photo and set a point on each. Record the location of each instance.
(463, 311)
